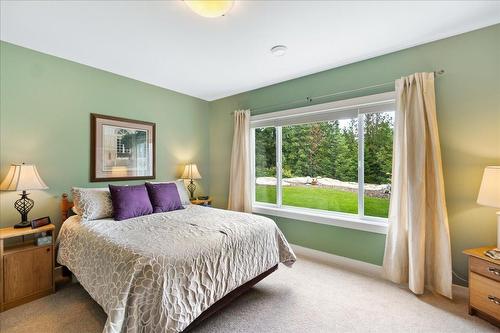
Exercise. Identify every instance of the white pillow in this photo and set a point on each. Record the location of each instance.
(183, 194)
(181, 188)
(92, 203)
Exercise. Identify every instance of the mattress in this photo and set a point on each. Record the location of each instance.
(157, 273)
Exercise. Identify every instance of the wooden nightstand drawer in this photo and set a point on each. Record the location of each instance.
(485, 295)
(485, 268)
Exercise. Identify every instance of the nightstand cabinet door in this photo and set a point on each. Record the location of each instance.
(27, 273)
(42, 268)
(18, 275)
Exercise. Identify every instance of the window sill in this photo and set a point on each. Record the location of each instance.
(376, 225)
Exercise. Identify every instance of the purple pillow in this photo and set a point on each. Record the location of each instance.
(164, 197)
(130, 201)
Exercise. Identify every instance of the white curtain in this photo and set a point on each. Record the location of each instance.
(417, 248)
(240, 196)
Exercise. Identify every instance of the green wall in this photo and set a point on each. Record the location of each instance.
(45, 104)
(468, 104)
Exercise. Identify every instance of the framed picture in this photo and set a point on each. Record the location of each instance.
(121, 149)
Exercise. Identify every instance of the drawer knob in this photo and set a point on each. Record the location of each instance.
(494, 299)
(494, 270)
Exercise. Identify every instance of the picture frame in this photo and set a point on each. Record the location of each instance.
(121, 149)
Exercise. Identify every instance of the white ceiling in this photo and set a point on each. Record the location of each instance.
(164, 43)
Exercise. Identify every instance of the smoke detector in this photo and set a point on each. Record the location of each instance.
(278, 50)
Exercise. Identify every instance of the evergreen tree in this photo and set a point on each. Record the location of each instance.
(328, 149)
(378, 133)
(265, 152)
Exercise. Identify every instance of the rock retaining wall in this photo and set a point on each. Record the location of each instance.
(371, 190)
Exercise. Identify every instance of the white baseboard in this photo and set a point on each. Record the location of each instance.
(350, 264)
(332, 259)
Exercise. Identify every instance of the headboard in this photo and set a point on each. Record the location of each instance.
(65, 207)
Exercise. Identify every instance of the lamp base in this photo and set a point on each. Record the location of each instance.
(191, 188)
(23, 206)
(23, 224)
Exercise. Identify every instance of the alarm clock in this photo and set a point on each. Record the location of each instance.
(37, 223)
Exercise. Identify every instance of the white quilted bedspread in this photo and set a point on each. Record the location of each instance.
(157, 273)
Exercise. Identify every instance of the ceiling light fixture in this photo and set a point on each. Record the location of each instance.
(278, 50)
(210, 8)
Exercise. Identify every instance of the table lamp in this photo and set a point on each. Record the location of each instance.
(191, 172)
(23, 177)
(489, 193)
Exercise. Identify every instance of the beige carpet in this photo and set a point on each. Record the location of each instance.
(310, 297)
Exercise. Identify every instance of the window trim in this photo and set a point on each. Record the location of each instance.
(338, 219)
(364, 104)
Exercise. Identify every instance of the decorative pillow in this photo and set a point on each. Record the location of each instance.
(130, 201)
(92, 203)
(181, 188)
(164, 197)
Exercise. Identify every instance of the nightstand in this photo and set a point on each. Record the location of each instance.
(26, 270)
(484, 285)
(207, 202)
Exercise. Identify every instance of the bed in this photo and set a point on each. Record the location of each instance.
(166, 272)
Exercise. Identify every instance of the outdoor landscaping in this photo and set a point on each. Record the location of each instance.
(323, 198)
(320, 164)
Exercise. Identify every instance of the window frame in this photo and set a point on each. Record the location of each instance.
(366, 104)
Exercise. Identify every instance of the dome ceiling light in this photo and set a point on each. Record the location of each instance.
(210, 8)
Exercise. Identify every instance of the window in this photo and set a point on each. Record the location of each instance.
(122, 150)
(377, 162)
(265, 164)
(333, 159)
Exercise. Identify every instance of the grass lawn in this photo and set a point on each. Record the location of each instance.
(323, 198)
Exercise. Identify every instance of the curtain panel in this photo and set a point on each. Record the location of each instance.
(240, 196)
(417, 248)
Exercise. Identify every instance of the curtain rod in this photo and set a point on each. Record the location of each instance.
(310, 99)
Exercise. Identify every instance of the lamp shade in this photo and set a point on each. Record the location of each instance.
(489, 192)
(22, 177)
(191, 172)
